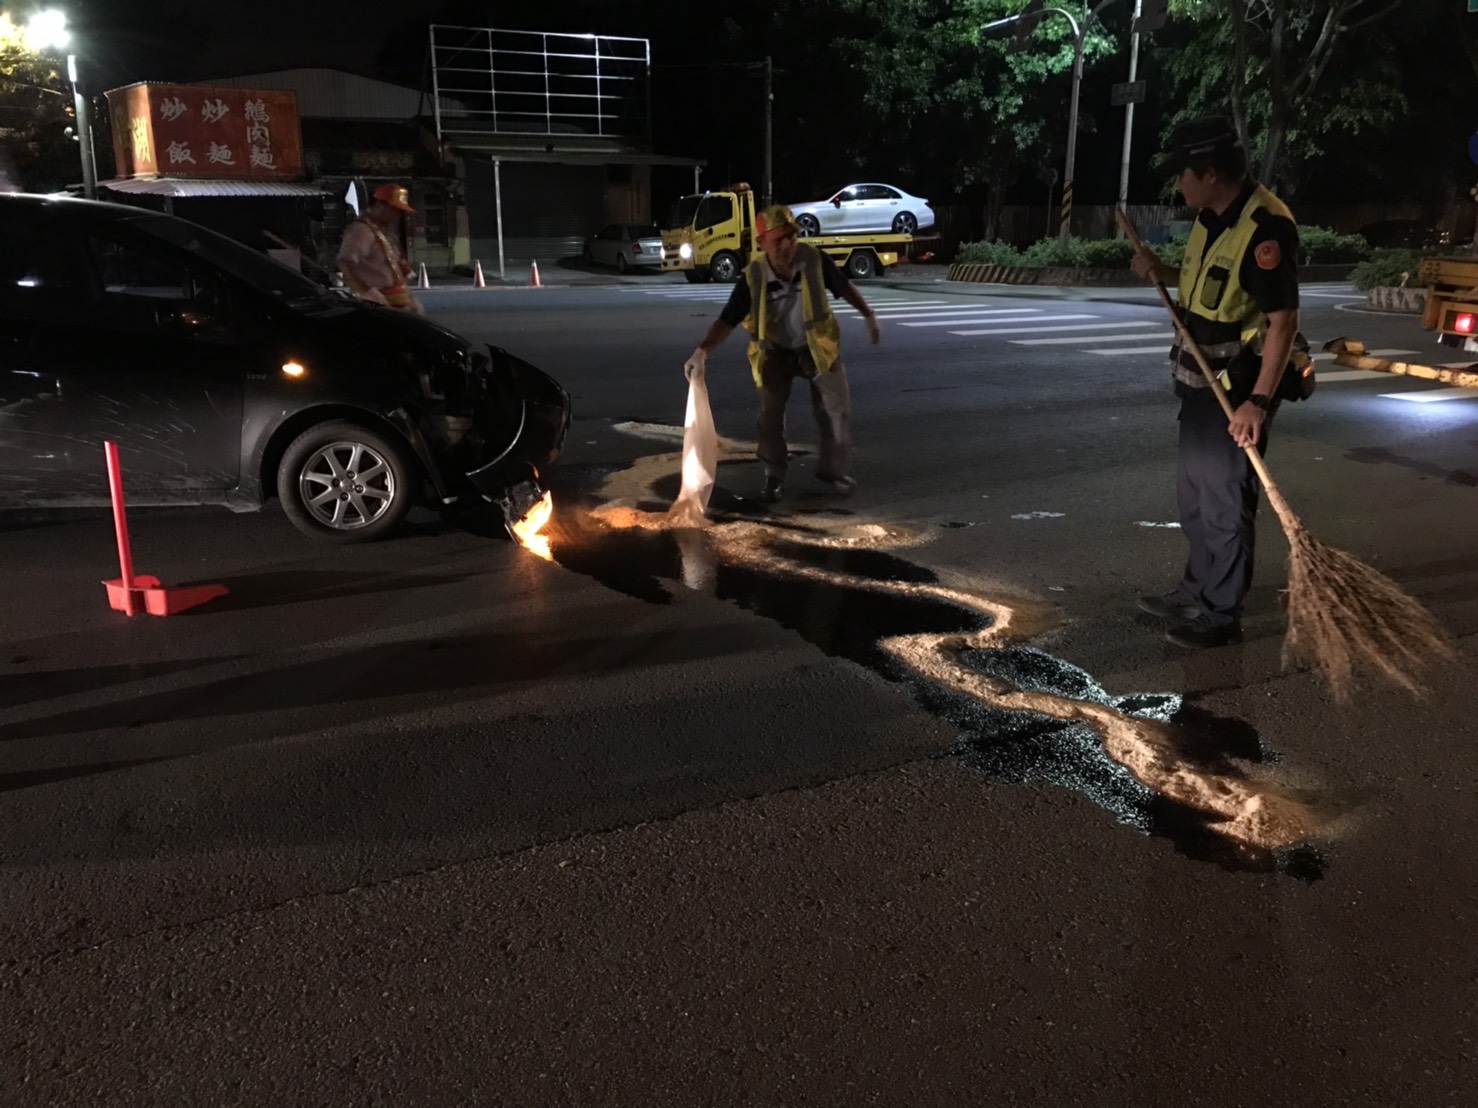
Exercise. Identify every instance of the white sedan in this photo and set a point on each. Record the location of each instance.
(865, 208)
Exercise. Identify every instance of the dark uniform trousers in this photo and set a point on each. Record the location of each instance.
(830, 400)
(1217, 489)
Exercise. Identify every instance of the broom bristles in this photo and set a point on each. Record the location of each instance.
(1347, 616)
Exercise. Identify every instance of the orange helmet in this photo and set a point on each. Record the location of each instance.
(397, 196)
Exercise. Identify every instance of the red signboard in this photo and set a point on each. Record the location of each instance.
(198, 131)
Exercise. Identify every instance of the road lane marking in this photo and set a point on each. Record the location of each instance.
(1105, 338)
(1039, 330)
(1161, 349)
(1432, 396)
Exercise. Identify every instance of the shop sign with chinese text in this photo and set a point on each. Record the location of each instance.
(200, 131)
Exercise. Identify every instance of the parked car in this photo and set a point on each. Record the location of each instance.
(858, 209)
(625, 245)
(226, 377)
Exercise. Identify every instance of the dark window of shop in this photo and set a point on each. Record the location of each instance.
(436, 217)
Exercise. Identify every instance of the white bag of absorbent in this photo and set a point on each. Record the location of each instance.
(700, 459)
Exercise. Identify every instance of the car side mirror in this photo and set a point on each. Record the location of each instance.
(837, 200)
(178, 315)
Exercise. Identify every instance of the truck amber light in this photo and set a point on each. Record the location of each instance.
(297, 369)
(1462, 323)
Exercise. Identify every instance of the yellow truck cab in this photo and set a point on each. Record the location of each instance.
(1452, 301)
(710, 237)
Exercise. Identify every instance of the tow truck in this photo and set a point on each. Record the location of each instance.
(1451, 310)
(709, 236)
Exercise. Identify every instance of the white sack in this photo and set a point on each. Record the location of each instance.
(700, 459)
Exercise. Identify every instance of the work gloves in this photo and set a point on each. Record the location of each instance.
(694, 367)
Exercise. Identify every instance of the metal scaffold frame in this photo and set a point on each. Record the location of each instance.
(490, 81)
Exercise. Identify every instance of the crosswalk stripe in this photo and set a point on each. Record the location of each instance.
(1103, 338)
(1352, 295)
(1162, 349)
(1350, 375)
(1432, 396)
(1039, 330)
(965, 315)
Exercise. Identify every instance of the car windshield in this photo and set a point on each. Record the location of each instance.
(640, 231)
(682, 213)
(242, 262)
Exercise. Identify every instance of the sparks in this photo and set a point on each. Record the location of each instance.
(527, 529)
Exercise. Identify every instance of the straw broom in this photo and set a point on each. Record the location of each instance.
(1341, 612)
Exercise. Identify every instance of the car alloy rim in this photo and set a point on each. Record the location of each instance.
(346, 485)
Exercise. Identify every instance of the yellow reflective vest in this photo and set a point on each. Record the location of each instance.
(823, 333)
(1219, 312)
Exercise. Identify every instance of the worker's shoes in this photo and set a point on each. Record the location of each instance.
(842, 486)
(1173, 605)
(771, 492)
(1204, 632)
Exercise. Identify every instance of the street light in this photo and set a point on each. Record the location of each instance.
(47, 30)
(1080, 34)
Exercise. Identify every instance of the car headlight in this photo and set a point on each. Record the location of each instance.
(685, 250)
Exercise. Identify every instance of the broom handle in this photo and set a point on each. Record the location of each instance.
(1275, 496)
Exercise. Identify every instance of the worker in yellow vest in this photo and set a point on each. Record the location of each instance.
(1238, 296)
(370, 259)
(781, 299)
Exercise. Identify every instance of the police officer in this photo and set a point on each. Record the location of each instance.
(1238, 296)
(782, 301)
(370, 260)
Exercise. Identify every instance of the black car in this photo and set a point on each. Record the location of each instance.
(226, 377)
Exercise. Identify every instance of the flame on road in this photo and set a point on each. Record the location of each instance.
(527, 530)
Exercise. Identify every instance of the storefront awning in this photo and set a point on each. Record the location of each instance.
(184, 187)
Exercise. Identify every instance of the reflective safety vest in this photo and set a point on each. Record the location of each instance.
(1219, 312)
(823, 333)
(397, 295)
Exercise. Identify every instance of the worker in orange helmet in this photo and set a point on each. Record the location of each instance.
(370, 259)
(782, 300)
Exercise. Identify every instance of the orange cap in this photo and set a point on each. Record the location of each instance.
(397, 196)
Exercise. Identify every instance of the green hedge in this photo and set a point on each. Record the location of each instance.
(1320, 246)
(1387, 268)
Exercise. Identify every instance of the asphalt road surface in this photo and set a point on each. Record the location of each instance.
(674, 820)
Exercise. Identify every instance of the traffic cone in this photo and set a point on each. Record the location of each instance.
(477, 281)
(425, 281)
(534, 276)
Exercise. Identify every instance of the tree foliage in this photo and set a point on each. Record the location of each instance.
(1284, 71)
(35, 110)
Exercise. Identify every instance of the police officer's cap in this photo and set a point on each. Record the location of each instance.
(1200, 138)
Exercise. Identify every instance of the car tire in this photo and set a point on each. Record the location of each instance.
(622, 265)
(589, 256)
(862, 263)
(904, 223)
(366, 508)
(696, 276)
(725, 267)
(809, 225)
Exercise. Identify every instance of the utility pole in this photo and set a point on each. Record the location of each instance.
(84, 133)
(766, 196)
(1129, 115)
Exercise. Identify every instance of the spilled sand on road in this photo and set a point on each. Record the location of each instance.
(1238, 806)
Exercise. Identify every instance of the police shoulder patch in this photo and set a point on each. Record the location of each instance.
(1269, 255)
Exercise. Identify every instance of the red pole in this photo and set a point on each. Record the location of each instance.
(120, 527)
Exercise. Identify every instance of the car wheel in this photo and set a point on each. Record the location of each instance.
(725, 266)
(904, 223)
(589, 256)
(622, 265)
(809, 225)
(342, 482)
(861, 263)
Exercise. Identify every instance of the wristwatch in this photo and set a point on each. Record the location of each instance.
(1258, 400)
